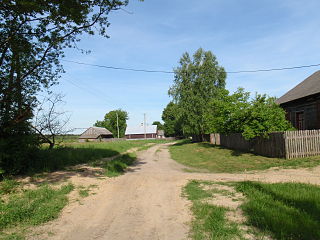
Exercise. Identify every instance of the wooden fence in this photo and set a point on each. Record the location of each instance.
(290, 144)
(302, 143)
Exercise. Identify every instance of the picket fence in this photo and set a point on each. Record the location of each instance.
(304, 143)
(289, 144)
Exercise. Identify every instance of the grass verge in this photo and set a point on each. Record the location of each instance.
(218, 159)
(283, 210)
(24, 208)
(279, 211)
(209, 221)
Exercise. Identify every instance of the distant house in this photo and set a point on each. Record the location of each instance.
(302, 103)
(95, 134)
(138, 132)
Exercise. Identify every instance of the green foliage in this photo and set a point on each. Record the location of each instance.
(197, 81)
(158, 124)
(33, 36)
(110, 122)
(33, 207)
(202, 105)
(236, 113)
(16, 151)
(264, 116)
(227, 112)
(284, 210)
(172, 121)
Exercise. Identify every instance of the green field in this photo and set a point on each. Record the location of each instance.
(280, 211)
(204, 156)
(47, 160)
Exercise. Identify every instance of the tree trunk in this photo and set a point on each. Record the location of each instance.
(51, 145)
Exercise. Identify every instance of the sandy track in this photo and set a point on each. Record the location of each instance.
(146, 202)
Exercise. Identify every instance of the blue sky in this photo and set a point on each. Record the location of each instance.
(244, 34)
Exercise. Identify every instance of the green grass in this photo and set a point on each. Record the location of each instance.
(286, 211)
(282, 211)
(48, 160)
(117, 166)
(67, 138)
(8, 186)
(84, 192)
(30, 207)
(209, 221)
(218, 159)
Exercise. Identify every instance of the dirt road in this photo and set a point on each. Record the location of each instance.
(146, 202)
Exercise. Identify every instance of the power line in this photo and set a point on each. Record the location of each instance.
(170, 72)
(119, 68)
(276, 69)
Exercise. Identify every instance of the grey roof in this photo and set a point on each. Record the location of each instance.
(95, 132)
(309, 86)
(140, 129)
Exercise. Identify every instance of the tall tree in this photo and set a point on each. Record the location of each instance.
(114, 120)
(33, 36)
(197, 81)
(172, 121)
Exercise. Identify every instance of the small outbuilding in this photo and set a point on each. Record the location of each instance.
(302, 103)
(139, 132)
(96, 134)
(160, 134)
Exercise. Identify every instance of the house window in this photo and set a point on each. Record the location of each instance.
(300, 120)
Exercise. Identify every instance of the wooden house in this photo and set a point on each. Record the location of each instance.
(96, 134)
(302, 103)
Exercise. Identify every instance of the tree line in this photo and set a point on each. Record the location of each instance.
(201, 105)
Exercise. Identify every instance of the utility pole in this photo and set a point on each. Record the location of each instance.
(118, 124)
(144, 126)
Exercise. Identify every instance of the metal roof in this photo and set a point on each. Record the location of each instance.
(140, 129)
(309, 86)
(95, 132)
